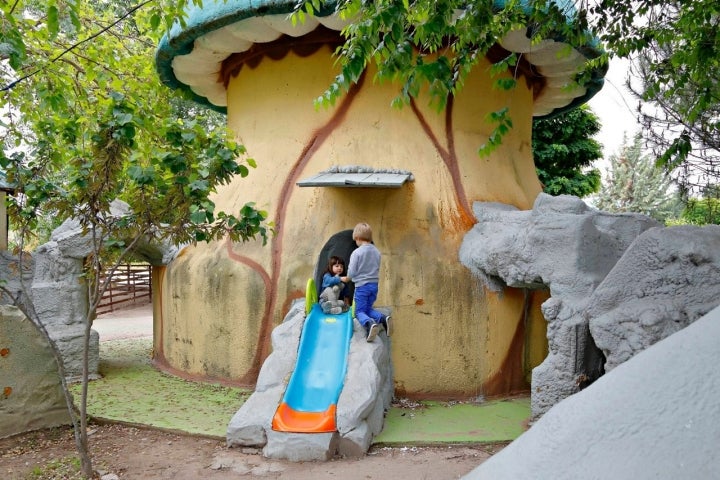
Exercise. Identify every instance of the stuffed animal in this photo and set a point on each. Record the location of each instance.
(330, 301)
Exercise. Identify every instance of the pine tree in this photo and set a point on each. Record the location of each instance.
(635, 184)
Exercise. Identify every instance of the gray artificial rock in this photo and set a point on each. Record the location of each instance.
(61, 303)
(54, 286)
(667, 279)
(356, 442)
(561, 244)
(301, 447)
(569, 251)
(69, 340)
(10, 269)
(362, 383)
(656, 416)
(72, 241)
(249, 425)
(376, 417)
(55, 289)
(60, 299)
(32, 396)
(284, 340)
(367, 392)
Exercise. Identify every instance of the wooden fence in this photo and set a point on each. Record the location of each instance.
(130, 285)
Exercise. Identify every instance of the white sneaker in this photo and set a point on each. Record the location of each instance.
(372, 332)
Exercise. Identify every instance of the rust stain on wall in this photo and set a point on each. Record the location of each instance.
(464, 216)
(510, 377)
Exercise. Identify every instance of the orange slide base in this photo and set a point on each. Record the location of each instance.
(288, 420)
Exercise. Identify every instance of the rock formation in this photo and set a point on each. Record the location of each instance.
(618, 282)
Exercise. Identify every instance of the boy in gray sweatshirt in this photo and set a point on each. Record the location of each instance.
(364, 271)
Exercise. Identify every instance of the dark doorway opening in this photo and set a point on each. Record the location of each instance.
(340, 245)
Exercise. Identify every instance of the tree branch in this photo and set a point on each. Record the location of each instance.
(73, 47)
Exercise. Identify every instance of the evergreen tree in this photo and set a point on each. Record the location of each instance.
(635, 184)
(563, 149)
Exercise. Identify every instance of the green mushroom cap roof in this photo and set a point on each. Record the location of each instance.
(190, 56)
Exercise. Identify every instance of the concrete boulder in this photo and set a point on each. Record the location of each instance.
(618, 282)
(60, 300)
(567, 247)
(31, 395)
(654, 416)
(667, 279)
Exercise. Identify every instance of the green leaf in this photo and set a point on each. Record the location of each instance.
(197, 217)
(155, 21)
(53, 23)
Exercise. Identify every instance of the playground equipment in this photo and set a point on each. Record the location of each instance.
(310, 401)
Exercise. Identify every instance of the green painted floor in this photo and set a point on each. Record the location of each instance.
(132, 391)
(437, 422)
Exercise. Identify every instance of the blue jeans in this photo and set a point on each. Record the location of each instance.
(365, 296)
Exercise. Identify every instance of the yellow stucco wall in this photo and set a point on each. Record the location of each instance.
(451, 335)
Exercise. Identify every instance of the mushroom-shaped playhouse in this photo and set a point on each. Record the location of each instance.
(412, 174)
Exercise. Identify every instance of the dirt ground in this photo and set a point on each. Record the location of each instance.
(122, 452)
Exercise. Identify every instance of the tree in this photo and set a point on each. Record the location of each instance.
(436, 43)
(635, 184)
(86, 122)
(676, 51)
(563, 149)
(704, 210)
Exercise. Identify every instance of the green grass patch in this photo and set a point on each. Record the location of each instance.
(133, 391)
(439, 422)
(64, 468)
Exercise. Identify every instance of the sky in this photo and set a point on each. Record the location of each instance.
(615, 107)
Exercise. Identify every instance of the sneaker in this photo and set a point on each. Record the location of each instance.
(372, 331)
(387, 324)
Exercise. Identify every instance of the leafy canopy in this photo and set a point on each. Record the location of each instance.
(431, 46)
(434, 44)
(87, 121)
(676, 52)
(564, 150)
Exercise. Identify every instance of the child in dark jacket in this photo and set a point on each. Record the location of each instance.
(333, 294)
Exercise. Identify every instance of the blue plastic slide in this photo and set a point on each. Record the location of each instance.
(310, 400)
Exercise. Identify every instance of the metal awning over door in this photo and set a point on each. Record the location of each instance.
(349, 177)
